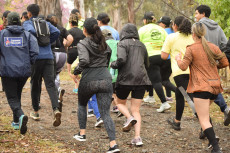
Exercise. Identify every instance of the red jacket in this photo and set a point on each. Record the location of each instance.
(1, 27)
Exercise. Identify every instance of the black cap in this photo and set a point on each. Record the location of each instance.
(89, 25)
(5, 14)
(102, 16)
(149, 16)
(74, 11)
(13, 18)
(24, 14)
(165, 20)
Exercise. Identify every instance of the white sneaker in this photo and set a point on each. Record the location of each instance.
(164, 106)
(99, 122)
(149, 99)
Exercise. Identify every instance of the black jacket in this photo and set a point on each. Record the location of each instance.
(90, 56)
(132, 58)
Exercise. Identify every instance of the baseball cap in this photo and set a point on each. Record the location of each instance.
(24, 14)
(149, 16)
(74, 11)
(13, 18)
(5, 14)
(165, 20)
(101, 16)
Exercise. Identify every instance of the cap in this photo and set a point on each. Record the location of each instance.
(149, 16)
(89, 25)
(106, 33)
(102, 16)
(13, 18)
(74, 11)
(24, 14)
(5, 14)
(165, 20)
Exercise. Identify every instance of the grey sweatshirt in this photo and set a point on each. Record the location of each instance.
(214, 33)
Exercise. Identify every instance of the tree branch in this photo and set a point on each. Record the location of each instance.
(138, 6)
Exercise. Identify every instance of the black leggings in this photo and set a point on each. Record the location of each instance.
(181, 80)
(103, 90)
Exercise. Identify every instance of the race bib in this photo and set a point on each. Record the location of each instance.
(13, 41)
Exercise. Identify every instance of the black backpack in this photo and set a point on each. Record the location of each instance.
(42, 31)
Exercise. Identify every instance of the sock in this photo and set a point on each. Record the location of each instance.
(209, 132)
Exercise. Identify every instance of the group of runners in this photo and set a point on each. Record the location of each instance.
(107, 67)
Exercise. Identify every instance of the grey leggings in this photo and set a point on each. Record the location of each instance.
(103, 90)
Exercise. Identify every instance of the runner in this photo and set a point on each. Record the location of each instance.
(176, 43)
(43, 68)
(204, 81)
(153, 36)
(132, 62)
(18, 51)
(215, 35)
(94, 56)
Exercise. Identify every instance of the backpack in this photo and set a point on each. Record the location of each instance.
(226, 50)
(42, 31)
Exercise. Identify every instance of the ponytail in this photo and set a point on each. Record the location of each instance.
(185, 27)
(98, 38)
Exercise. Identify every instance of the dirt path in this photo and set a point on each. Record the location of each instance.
(156, 133)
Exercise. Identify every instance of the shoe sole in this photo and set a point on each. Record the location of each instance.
(175, 128)
(138, 144)
(163, 110)
(90, 115)
(57, 120)
(35, 118)
(114, 151)
(227, 120)
(99, 124)
(23, 128)
(78, 139)
(128, 128)
(61, 95)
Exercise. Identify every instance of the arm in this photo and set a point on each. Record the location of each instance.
(28, 26)
(121, 56)
(33, 48)
(223, 39)
(183, 64)
(164, 55)
(166, 49)
(223, 62)
(146, 58)
(83, 59)
(54, 32)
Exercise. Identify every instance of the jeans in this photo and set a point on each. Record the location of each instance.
(221, 102)
(92, 104)
(43, 69)
(13, 90)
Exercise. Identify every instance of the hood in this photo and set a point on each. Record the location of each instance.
(93, 47)
(129, 31)
(15, 29)
(211, 25)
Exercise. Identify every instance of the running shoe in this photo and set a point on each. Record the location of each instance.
(23, 119)
(15, 125)
(115, 109)
(113, 149)
(119, 114)
(34, 116)
(90, 114)
(149, 99)
(79, 137)
(57, 118)
(175, 125)
(137, 141)
(227, 117)
(75, 90)
(129, 123)
(164, 106)
(99, 122)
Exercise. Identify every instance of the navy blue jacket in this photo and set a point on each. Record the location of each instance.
(18, 51)
(45, 52)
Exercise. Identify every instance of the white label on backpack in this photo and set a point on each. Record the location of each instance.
(13, 41)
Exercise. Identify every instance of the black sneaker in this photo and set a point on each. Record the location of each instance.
(202, 135)
(90, 114)
(99, 122)
(218, 151)
(119, 114)
(226, 117)
(79, 137)
(175, 126)
(113, 149)
(210, 145)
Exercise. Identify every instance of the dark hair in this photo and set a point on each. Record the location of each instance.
(105, 20)
(24, 14)
(33, 9)
(204, 9)
(94, 30)
(185, 27)
(73, 19)
(5, 14)
(52, 19)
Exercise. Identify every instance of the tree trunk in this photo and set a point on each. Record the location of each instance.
(50, 7)
(131, 14)
(79, 4)
(116, 16)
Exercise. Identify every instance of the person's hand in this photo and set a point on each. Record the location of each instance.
(178, 57)
(75, 78)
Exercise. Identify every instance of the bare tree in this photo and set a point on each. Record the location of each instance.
(50, 7)
(132, 11)
(116, 16)
(79, 4)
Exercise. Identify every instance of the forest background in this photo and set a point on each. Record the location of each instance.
(124, 11)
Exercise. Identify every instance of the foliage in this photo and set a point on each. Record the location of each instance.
(220, 13)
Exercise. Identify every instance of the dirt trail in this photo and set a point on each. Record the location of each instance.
(156, 133)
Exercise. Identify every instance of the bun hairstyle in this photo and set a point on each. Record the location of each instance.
(52, 19)
(73, 19)
(95, 33)
(199, 30)
(185, 27)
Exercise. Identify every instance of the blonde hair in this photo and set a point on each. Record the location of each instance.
(199, 30)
